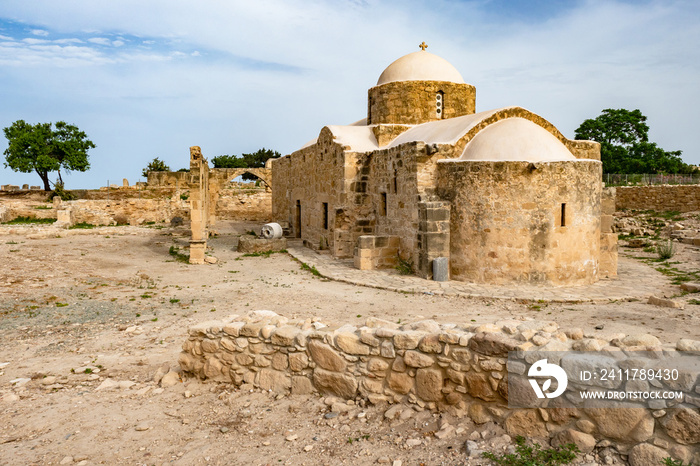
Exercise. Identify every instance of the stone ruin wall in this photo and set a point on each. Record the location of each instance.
(457, 369)
(681, 198)
(137, 207)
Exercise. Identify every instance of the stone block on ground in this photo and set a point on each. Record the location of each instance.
(252, 244)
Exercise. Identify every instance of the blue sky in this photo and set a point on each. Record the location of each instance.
(149, 79)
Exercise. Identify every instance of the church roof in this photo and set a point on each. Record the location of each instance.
(420, 66)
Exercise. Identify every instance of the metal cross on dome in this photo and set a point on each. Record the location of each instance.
(423, 45)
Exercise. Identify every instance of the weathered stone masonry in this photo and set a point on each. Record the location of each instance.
(458, 369)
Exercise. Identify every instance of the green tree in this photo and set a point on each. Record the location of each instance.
(256, 159)
(155, 165)
(228, 161)
(624, 144)
(43, 149)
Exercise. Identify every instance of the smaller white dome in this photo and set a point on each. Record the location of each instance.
(420, 66)
(516, 139)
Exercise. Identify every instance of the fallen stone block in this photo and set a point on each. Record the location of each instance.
(252, 244)
(664, 302)
(691, 287)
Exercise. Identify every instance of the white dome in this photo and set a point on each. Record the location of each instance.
(516, 139)
(420, 66)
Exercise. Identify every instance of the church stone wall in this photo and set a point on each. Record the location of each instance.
(506, 223)
(413, 102)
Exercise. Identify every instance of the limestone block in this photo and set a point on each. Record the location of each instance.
(326, 357)
(277, 381)
(664, 302)
(526, 423)
(645, 454)
(417, 359)
(400, 382)
(429, 384)
(334, 383)
(584, 442)
(197, 250)
(65, 217)
(302, 386)
(683, 425)
(252, 244)
(351, 344)
(298, 361)
(626, 423)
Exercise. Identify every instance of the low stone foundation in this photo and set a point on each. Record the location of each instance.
(458, 369)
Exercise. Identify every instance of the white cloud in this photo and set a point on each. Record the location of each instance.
(118, 43)
(100, 41)
(39, 32)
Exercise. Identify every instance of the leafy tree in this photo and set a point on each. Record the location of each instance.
(43, 149)
(255, 160)
(155, 165)
(228, 161)
(624, 144)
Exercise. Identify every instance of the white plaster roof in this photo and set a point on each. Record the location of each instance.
(358, 138)
(447, 131)
(516, 139)
(420, 66)
(362, 122)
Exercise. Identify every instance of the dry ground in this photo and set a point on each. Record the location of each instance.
(78, 310)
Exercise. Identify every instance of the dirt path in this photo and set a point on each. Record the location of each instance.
(115, 305)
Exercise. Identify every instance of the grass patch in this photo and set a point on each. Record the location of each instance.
(264, 253)
(534, 455)
(174, 300)
(82, 226)
(43, 207)
(405, 266)
(61, 304)
(180, 257)
(312, 269)
(30, 221)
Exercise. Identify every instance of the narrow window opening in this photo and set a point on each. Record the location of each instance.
(297, 220)
(396, 176)
(325, 216)
(563, 214)
(383, 206)
(439, 104)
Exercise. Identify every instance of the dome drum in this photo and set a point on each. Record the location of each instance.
(416, 102)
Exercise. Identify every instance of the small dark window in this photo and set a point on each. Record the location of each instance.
(325, 216)
(563, 215)
(439, 104)
(383, 206)
(396, 176)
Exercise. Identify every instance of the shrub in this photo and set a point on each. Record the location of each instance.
(405, 266)
(665, 250)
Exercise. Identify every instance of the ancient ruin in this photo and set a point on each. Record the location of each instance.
(501, 194)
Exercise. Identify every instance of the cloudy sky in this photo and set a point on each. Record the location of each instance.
(149, 78)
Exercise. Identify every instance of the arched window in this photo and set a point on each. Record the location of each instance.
(439, 104)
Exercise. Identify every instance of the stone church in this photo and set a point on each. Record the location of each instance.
(501, 194)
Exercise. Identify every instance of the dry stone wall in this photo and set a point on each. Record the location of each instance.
(458, 369)
(681, 198)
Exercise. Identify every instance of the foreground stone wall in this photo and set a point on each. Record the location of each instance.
(681, 198)
(458, 369)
